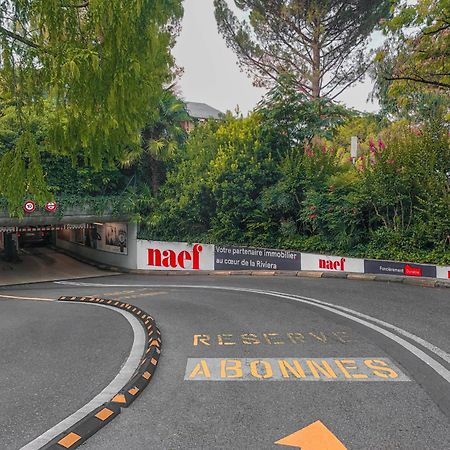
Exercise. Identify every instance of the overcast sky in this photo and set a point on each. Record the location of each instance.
(211, 74)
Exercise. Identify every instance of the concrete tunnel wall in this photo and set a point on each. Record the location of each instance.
(128, 261)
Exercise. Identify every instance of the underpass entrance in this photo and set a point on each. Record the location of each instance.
(29, 254)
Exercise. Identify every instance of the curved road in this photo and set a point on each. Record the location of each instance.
(246, 361)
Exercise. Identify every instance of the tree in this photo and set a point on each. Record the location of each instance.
(93, 68)
(322, 43)
(161, 137)
(412, 70)
(421, 57)
(290, 119)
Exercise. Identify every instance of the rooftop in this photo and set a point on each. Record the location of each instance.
(202, 111)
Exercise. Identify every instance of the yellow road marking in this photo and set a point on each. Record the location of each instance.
(133, 391)
(27, 298)
(104, 414)
(119, 398)
(69, 440)
(313, 437)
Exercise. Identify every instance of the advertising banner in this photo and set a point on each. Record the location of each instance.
(326, 263)
(443, 272)
(108, 237)
(157, 255)
(244, 258)
(398, 268)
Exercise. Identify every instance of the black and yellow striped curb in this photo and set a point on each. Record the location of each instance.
(101, 416)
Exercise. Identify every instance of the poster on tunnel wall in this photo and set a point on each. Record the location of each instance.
(113, 238)
(157, 255)
(247, 258)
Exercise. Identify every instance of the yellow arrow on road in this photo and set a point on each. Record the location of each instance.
(313, 437)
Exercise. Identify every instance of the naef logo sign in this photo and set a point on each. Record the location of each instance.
(332, 265)
(157, 255)
(171, 259)
(329, 263)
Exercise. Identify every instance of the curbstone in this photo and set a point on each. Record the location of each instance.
(443, 283)
(420, 282)
(308, 274)
(389, 278)
(334, 275)
(285, 273)
(360, 276)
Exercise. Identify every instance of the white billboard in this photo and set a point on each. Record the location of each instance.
(157, 255)
(326, 263)
(443, 272)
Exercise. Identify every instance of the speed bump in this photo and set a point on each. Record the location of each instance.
(85, 428)
(97, 419)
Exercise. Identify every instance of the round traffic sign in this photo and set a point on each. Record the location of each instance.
(51, 206)
(29, 206)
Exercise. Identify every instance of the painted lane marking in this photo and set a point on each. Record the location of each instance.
(126, 372)
(287, 368)
(7, 297)
(428, 360)
(144, 294)
(313, 437)
(266, 338)
(432, 348)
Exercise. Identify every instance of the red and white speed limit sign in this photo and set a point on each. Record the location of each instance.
(51, 206)
(29, 206)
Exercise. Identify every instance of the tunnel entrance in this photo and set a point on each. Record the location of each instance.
(29, 253)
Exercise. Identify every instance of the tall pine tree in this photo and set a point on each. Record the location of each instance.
(321, 42)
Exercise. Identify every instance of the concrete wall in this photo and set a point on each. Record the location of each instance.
(128, 261)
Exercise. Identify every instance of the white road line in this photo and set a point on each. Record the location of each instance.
(355, 316)
(28, 298)
(126, 372)
(432, 348)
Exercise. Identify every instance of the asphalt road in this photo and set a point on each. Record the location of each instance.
(238, 369)
(55, 357)
(43, 264)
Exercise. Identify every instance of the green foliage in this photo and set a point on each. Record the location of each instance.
(65, 179)
(406, 189)
(92, 70)
(214, 189)
(231, 184)
(323, 44)
(413, 67)
(289, 118)
(161, 137)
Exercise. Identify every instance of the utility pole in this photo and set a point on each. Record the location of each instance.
(354, 149)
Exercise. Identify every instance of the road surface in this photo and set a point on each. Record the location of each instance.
(246, 362)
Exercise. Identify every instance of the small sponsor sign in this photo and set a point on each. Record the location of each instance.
(157, 255)
(399, 268)
(326, 263)
(245, 258)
